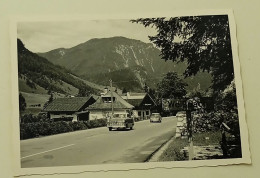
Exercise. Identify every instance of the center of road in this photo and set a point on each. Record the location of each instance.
(47, 151)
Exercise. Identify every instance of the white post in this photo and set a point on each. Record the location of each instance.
(112, 101)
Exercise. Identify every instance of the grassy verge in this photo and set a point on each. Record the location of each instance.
(173, 152)
(208, 138)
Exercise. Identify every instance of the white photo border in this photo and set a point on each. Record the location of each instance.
(18, 171)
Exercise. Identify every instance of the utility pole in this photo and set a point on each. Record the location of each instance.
(112, 100)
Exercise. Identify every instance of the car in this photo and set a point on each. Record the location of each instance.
(156, 117)
(124, 121)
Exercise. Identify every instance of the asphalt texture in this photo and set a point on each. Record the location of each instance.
(98, 146)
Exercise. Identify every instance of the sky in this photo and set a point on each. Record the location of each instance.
(45, 36)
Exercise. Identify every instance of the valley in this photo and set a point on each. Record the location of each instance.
(87, 68)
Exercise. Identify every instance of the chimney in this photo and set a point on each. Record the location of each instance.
(128, 95)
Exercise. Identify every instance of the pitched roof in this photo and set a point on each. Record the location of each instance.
(119, 103)
(135, 102)
(136, 99)
(130, 95)
(67, 104)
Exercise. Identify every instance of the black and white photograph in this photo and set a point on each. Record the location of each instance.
(129, 90)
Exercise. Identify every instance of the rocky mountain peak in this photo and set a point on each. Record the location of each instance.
(100, 58)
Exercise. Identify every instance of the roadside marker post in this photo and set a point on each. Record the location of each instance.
(190, 107)
(112, 99)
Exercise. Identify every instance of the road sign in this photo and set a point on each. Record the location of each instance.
(174, 104)
(184, 104)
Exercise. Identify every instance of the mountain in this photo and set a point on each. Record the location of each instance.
(38, 75)
(129, 63)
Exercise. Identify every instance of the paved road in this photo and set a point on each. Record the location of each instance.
(97, 146)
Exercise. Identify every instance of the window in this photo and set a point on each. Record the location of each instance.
(108, 99)
(139, 113)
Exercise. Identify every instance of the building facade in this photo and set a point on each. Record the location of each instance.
(69, 109)
(109, 102)
(143, 104)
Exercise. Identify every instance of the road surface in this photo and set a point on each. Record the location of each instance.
(97, 146)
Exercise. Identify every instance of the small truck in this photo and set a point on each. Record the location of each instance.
(124, 121)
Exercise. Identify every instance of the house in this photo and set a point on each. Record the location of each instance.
(103, 106)
(69, 109)
(143, 104)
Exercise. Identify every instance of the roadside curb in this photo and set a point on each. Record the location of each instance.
(158, 152)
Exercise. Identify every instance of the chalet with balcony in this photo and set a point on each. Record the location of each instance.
(109, 101)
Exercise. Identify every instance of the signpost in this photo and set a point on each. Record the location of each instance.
(189, 108)
(188, 105)
(174, 104)
(183, 104)
(112, 99)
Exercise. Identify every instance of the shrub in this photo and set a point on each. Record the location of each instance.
(36, 129)
(63, 127)
(101, 122)
(206, 122)
(96, 123)
(30, 118)
(92, 123)
(28, 130)
(43, 128)
(78, 125)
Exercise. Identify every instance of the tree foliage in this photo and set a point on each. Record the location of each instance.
(227, 100)
(83, 92)
(22, 103)
(204, 43)
(171, 86)
(201, 41)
